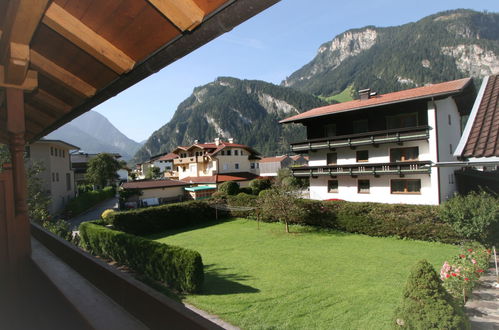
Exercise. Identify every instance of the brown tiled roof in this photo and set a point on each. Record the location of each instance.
(150, 184)
(213, 149)
(239, 176)
(169, 156)
(442, 89)
(482, 138)
(276, 159)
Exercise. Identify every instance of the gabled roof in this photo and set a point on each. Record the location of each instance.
(436, 90)
(61, 143)
(276, 159)
(169, 156)
(481, 134)
(238, 176)
(151, 184)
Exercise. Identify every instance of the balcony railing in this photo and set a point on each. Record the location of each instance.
(398, 135)
(193, 159)
(399, 168)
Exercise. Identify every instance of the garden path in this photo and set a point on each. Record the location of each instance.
(483, 307)
(94, 213)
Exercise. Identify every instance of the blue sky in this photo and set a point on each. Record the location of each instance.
(268, 47)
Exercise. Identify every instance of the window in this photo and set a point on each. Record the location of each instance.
(252, 166)
(236, 166)
(450, 149)
(228, 152)
(257, 165)
(57, 177)
(330, 130)
(53, 177)
(360, 126)
(56, 152)
(363, 186)
(68, 181)
(407, 186)
(223, 153)
(236, 152)
(332, 158)
(362, 156)
(332, 186)
(402, 120)
(404, 154)
(451, 178)
(449, 119)
(51, 151)
(241, 153)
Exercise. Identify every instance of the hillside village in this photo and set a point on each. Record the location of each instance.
(360, 193)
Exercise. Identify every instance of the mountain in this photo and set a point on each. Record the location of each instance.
(94, 133)
(441, 47)
(246, 110)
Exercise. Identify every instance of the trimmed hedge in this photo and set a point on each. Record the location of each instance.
(157, 219)
(88, 199)
(179, 268)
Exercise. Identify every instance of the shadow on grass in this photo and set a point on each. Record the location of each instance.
(186, 229)
(218, 282)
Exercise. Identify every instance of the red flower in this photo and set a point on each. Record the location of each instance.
(453, 274)
(462, 256)
(466, 279)
(447, 275)
(480, 271)
(470, 250)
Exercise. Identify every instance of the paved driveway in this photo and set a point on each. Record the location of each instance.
(94, 213)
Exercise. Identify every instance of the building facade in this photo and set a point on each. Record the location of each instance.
(57, 176)
(384, 148)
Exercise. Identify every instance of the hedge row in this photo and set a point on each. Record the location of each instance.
(179, 268)
(162, 218)
(86, 200)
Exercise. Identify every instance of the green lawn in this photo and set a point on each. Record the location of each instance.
(344, 96)
(265, 279)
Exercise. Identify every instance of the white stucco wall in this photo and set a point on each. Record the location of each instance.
(167, 192)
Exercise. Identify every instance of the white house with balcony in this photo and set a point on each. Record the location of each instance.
(383, 148)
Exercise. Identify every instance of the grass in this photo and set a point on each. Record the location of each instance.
(267, 279)
(344, 96)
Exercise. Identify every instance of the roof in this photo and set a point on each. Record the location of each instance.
(72, 55)
(276, 159)
(435, 90)
(200, 188)
(151, 184)
(212, 148)
(481, 135)
(59, 142)
(239, 176)
(169, 156)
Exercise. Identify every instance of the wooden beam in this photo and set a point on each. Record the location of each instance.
(51, 101)
(22, 18)
(185, 14)
(38, 115)
(30, 81)
(61, 75)
(82, 36)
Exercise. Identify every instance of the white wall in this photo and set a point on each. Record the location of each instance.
(379, 190)
(167, 192)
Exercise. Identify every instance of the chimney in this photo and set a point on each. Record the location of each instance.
(231, 140)
(217, 141)
(365, 94)
(196, 141)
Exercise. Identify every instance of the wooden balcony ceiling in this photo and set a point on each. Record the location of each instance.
(71, 55)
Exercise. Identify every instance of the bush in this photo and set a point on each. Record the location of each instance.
(87, 200)
(162, 218)
(179, 268)
(246, 190)
(229, 187)
(61, 228)
(106, 214)
(258, 185)
(242, 199)
(426, 304)
(474, 216)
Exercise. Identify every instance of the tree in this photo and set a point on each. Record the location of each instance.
(281, 203)
(426, 304)
(38, 200)
(229, 187)
(285, 177)
(102, 169)
(153, 173)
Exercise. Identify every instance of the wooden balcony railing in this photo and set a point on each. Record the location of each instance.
(399, 168)
(398, 135)
(188, 160)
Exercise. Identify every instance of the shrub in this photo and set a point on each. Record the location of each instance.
(179, 268)
(106, 214)
(161, 218)
(229, 187)
(88, 199)
(61, 228)
(474, 216)
(258, 185)
(246, 190)
(426, 304)
(242, 199)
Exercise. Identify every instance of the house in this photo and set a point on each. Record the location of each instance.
(478, 148)
(164, 190)
(381, 148)
(269, 166)
(205, 162)
(165, 164)
(57, 176)
(299, 160)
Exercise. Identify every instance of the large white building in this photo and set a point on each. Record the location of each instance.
(385, 148)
